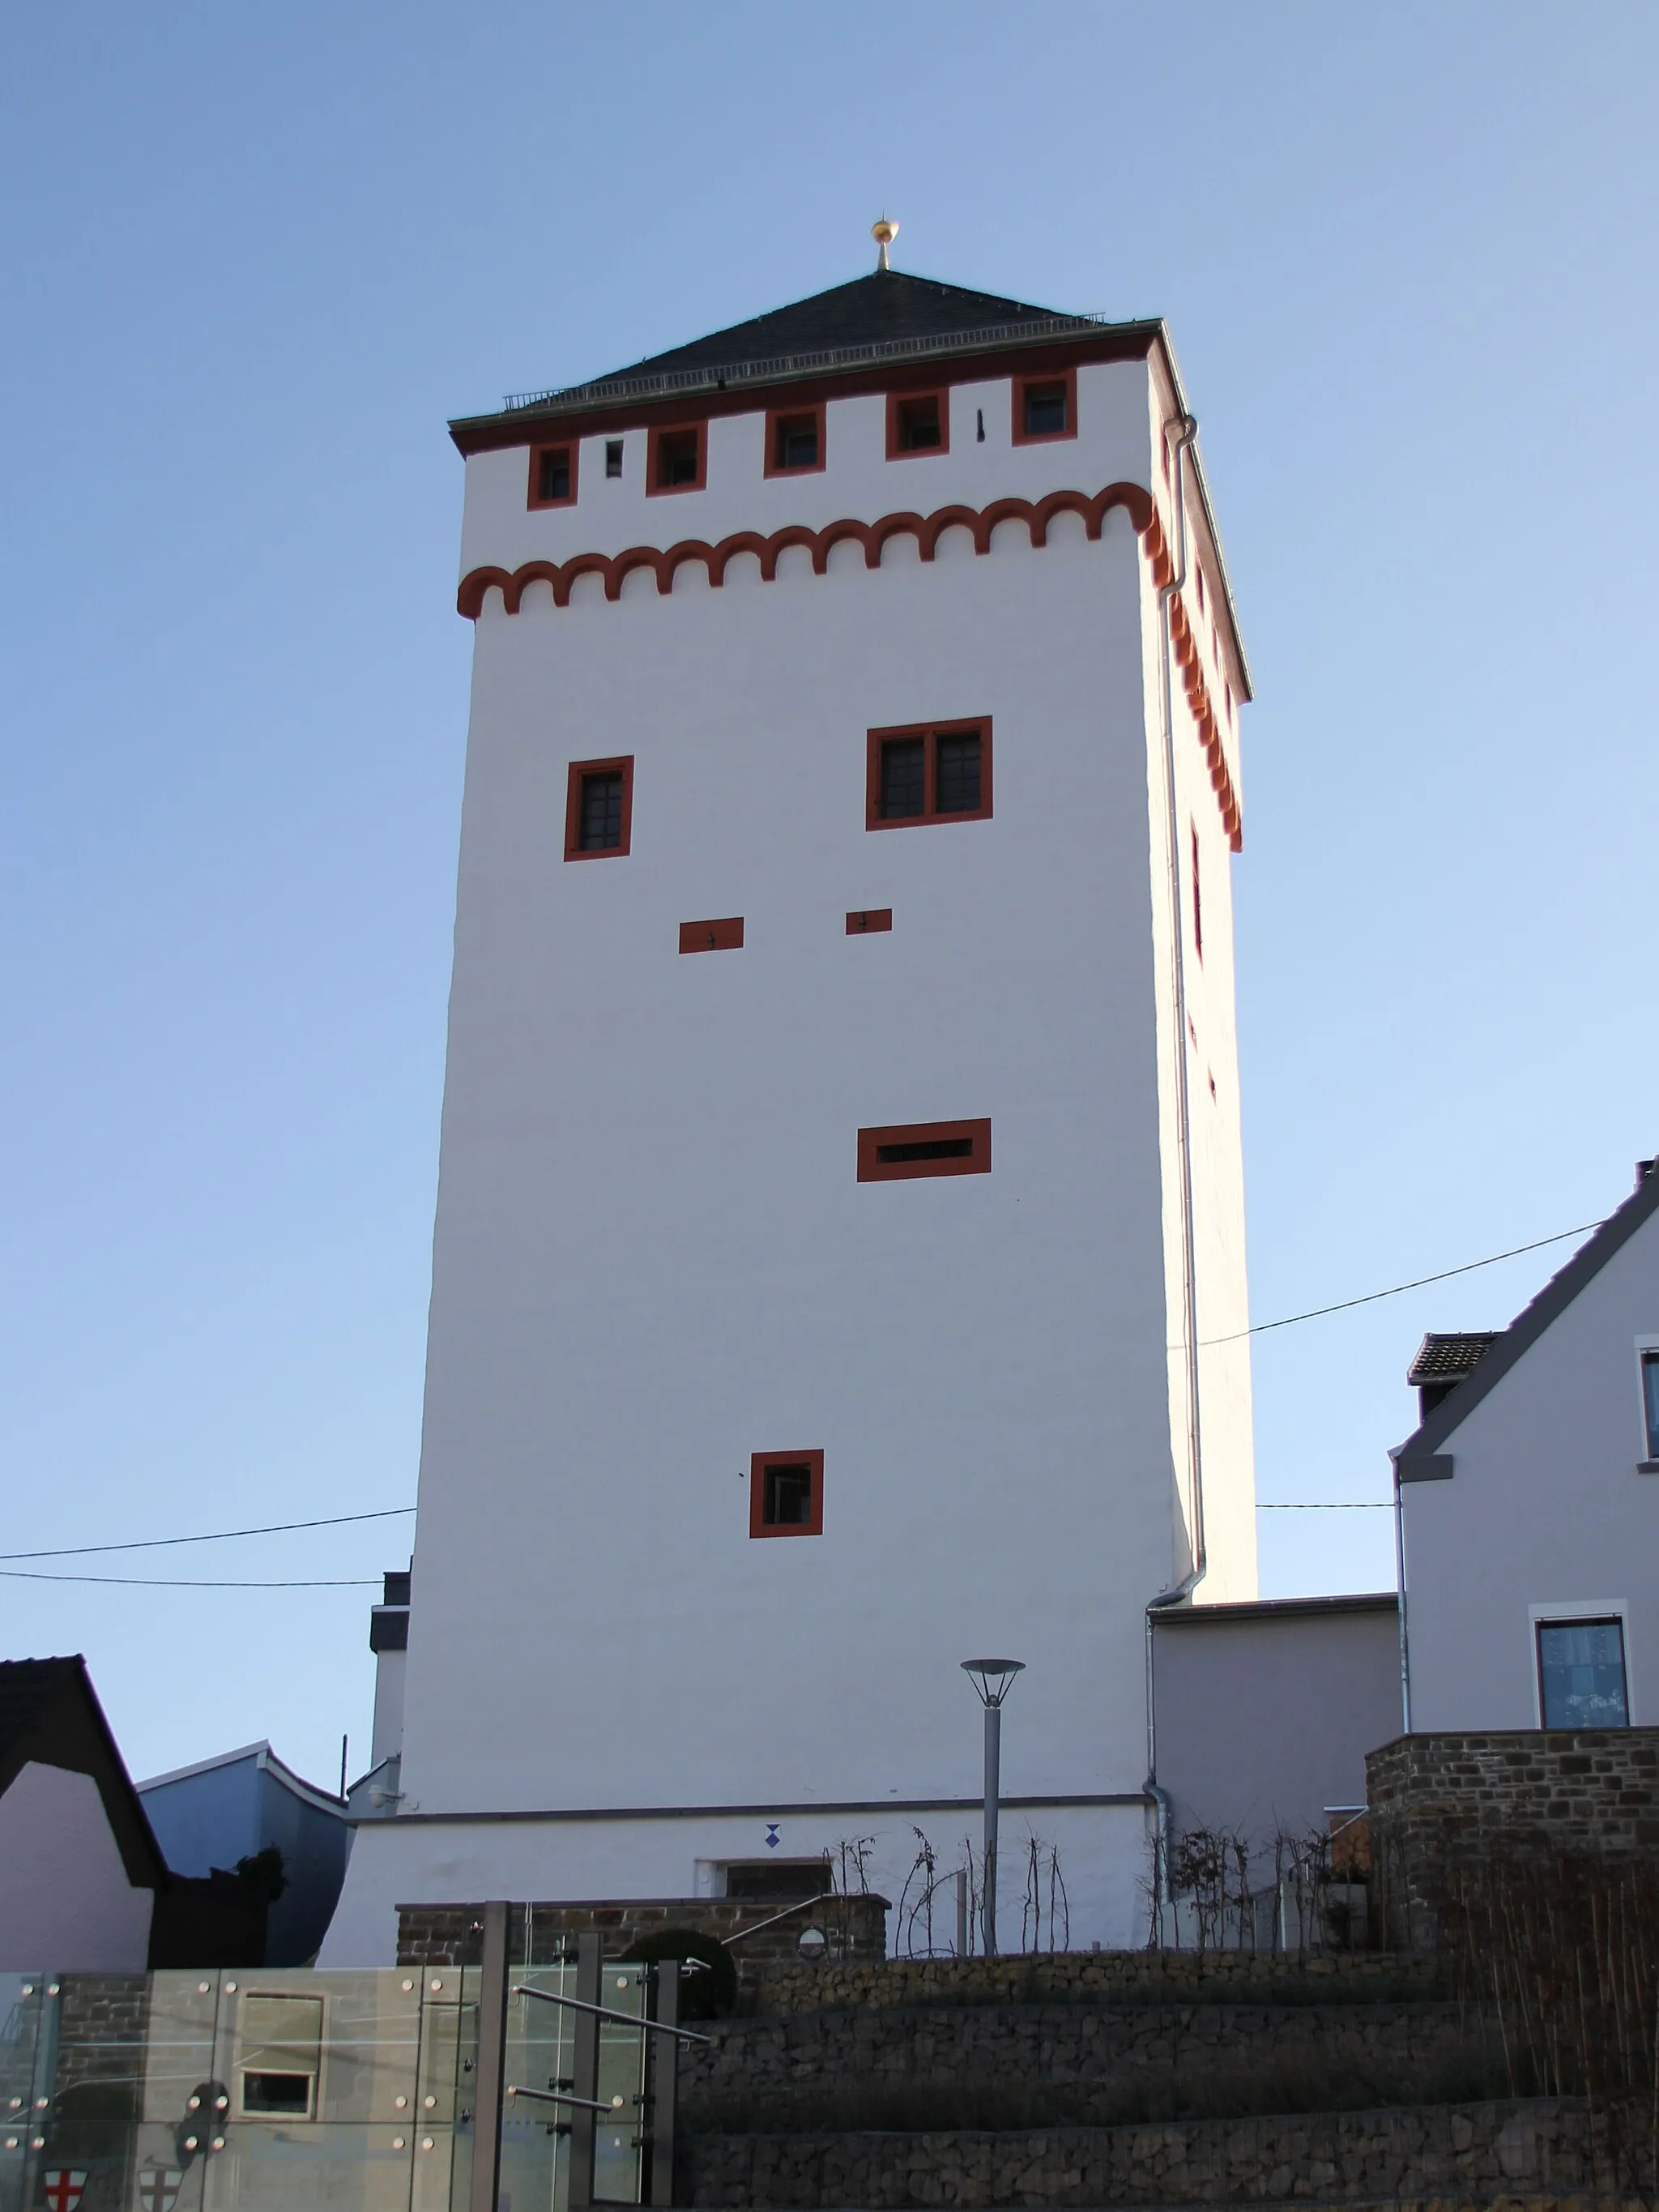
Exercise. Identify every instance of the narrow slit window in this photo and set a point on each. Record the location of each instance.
(1197, 900)
(1650, 1392)
(1581, 1674)
(599, 810)
(786, 1494)
(924, 1148)
(613, 453)
(929, 776)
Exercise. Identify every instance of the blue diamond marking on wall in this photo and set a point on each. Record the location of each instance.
(772, 1827)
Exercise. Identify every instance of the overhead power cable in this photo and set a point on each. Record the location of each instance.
(212, 1536)
(1343, 1305)
(164, 1581)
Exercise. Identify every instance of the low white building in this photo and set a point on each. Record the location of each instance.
(1528, 1502)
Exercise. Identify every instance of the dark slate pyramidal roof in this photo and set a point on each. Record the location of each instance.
(874, 310)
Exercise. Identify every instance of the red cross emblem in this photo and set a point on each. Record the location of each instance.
(64, 2185)
(159, 2187)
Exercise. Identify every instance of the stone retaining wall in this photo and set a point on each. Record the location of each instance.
(1479, 2152)
(1439, 1802)
(1117, 2049)
(1137, 1977)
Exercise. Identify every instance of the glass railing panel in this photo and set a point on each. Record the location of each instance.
(28, 2017)
(618, 2142)
(541, 2055)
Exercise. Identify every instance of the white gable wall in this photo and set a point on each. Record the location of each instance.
(1545, 1509)
(66, 1906)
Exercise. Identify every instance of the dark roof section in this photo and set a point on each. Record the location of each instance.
(1449, 1359)
(1272, 1608)
(886, 316)
(50, 1713)
(1529, 1324)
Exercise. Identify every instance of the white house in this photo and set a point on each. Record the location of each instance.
(840, 1162)
(1528, 1502)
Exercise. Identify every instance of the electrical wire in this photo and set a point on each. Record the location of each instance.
(163, 1582)
(1344, 1305)
(213, 1536)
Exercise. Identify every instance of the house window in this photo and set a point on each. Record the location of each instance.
(552, 476)
(1581, 1673)
(928, 775)
(598, 809)
(918, 423)
(1045, 407)
(1651, 1399)
(786, 1494)
(901, 1154)
(280, 2057)
(794, 441)
(724, 936)
(677, 459)
(613, 457)
(1197, 900)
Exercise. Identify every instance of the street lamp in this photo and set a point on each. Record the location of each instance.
(993, 1679)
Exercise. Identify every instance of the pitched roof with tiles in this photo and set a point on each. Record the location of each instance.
(1449, 1359)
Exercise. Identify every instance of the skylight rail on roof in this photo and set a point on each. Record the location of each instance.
(717, 375)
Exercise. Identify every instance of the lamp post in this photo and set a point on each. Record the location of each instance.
(993, 1679)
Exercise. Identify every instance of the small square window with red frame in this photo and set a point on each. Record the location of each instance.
(1045, 407)
(553, 475)
(928, 772)
(794, 441)
(678, 459)
(598, 814)
(918, 423)
(786, 1494)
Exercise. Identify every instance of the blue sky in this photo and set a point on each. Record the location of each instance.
(254, 257)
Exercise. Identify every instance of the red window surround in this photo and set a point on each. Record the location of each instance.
(677, 459)
(786, 1494)
(594, 803)
(909, 416)
(908, 1150)
(1053, 381)
(545, 474)
(867, 918)
(712, 936)
(939, 799)
(784, 425)
(1197, 900)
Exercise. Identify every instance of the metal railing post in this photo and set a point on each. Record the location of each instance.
(585, 2072)
(663, 2080)
(492, 2061)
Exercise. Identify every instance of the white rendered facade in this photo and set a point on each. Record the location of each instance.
(652, 1257)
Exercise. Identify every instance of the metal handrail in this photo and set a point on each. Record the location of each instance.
(562, 2097)
(717, 375)
(823, 1897)
(606, 2012)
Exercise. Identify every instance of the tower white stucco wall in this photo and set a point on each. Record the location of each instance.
(653, 1258)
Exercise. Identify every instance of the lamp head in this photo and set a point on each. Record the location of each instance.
(993, 1678)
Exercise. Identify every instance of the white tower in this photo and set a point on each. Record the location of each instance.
(840, 1144)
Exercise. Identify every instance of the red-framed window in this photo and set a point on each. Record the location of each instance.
(918, 423)
(1045, 407)
(677, 458)
(928, 772)
(794, 441)
(909, 1149)
(724, 936)
(553, 475)
(786, 1494)
(598, 809)
(864, 919)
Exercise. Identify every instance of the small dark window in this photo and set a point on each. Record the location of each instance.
(1046, 411)
(903, 778)
(791, 1882)
(598, 808)
(917, 427)
(601, 819)
(924, 1148)
(956, 778)
(289, 2095)
(1650, 1391)
(795, 442)
(786, 1494)
(929, 776)
(613, 457)
(553, 475)
(678, 456)
(1581, 1673)
(788, 1502)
